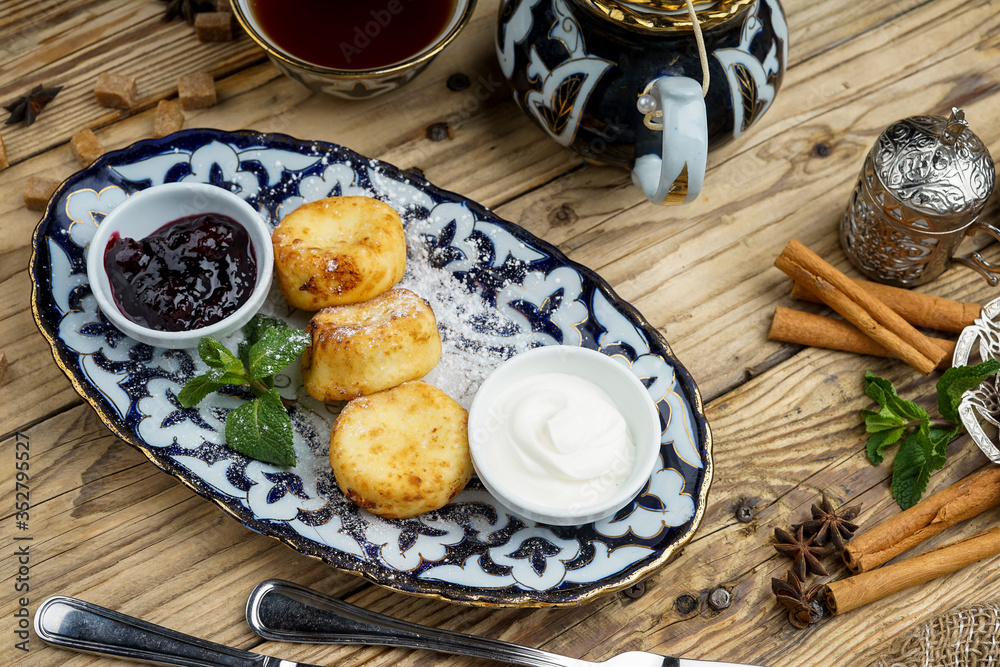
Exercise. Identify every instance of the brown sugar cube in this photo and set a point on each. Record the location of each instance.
(86, 147)
(37, 192)
(196, 91)
(213, 26)
(115, 90)
(4, 162)
(169, 118)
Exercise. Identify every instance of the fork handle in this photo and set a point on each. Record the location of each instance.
(83, 626)
(283, 611)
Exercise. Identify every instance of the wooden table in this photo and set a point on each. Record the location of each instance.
(105, 525)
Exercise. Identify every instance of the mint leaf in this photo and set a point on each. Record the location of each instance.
(918, 457)
(259, 323)
(889, 424)
(214, 353)
(276, 349)
(924, 449)
(885, 427)
(877, 443)
(884, 393)
(910, 470)
(956, 381)
(253, 331)
(195, 390)
(262, 430)
(231, 373)
(940, 437)
(883, 420)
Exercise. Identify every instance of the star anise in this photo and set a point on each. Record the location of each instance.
(803, 607)
(27, 107)
(187, 9)
(829, 525)
(802, 551)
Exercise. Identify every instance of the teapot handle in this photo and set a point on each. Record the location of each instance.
(676, 175)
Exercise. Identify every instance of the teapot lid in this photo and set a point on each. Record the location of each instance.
(936, 166)
(667, 15)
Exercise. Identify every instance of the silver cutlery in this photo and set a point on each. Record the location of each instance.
(283, 611)
(86, 627)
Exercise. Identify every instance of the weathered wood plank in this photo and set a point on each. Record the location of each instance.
(70, 46)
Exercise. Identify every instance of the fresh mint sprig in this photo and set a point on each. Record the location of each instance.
(261, 428)
(923, 449)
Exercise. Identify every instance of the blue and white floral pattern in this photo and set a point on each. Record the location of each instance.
(496, 290)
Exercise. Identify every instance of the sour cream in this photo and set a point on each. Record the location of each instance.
(557, 440)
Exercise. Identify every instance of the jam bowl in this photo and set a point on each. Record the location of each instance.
(564, 435)
(352, 50)
(180, 261)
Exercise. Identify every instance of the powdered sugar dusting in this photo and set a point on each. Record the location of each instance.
(469, 351)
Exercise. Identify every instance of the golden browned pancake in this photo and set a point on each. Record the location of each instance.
(338, 250)
(402, 451)
(366, 347)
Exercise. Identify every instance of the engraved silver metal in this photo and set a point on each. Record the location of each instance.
(287, 612)
(89, 628)
(283, 611)
(979, 408)
(920, 192)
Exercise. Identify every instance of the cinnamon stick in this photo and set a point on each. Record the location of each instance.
(920, 310)
(801, 328)
(848, 594)
(958, 502)
(860, 308)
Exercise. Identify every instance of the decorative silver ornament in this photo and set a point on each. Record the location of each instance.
(921, 190)
(979, 409)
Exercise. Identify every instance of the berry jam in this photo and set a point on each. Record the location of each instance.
(190, 273)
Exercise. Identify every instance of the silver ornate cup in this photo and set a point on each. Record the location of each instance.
(921, 190)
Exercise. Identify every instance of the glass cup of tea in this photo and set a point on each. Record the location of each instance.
(356, 49)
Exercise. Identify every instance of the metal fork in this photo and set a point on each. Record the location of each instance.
(283, 611)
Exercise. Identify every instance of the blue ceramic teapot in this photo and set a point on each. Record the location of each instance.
(624, 83)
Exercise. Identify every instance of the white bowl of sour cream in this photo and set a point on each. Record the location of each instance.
(564, 435)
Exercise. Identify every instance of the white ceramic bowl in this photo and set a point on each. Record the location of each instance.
(622, 386)
(147, 211)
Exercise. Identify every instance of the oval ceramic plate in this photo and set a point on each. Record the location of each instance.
(496, 290)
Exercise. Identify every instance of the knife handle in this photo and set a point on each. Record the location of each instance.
(82, 626)
(283, 611)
